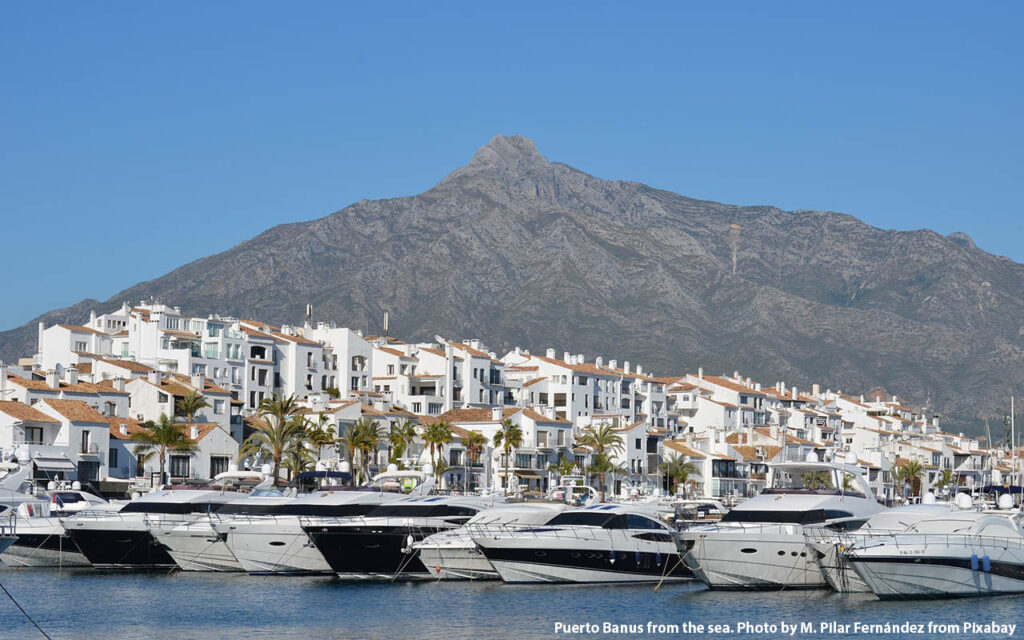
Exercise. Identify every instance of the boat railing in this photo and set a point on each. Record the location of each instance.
(851, 540)
(573, 532)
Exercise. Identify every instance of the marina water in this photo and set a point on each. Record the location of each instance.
(91, 605)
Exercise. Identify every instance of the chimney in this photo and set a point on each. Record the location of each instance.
(894, 399)
(795, 395)
(153, 377)
(550, 353)
(580, 359)
(625, 366)
(475, 344)
(124, 429)
(598, 362)
(613, 364)
(862, 398)
(736, 376)
(700, 376)
(774, 431)
(51, 379)
(92, 319)
(199, 381)
(639, 370)
(565, 357)
(71, 374)
(39, 335)
(757, 387)
(119, 384)
(194, 432)
(496, 414)
(518, 351)
(815, 390)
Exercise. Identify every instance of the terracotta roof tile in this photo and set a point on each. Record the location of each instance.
(22, 411)
(75, 411)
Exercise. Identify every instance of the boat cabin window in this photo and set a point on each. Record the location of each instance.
(250, 508)
(789, 517)
(329, 510)
(421, 511)
(582, 518)
(171, 507)
(634, 521)
(823, 480)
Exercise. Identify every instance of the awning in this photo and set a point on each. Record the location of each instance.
(54, 464)
(532, 476)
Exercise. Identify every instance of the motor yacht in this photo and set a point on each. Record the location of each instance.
(129, 538)
(599, 543)
(959, 554)
(830, 542)
(379, 545)
(760, 543)
(275, 542)
(452, 554)
(42, 541)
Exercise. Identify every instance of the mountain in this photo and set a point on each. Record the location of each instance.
(518, 250)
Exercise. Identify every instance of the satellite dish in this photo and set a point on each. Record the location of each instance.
(392, 468)
(851, 458)
(964, 501)
(928, 498)
(76, 486)
(345, 467)
(811, 457)
(1005, 501)
(428, 469)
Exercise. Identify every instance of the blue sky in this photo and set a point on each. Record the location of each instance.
(138, 136)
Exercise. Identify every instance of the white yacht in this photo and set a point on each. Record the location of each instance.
(128, 538)
(452, 555)
(829, 543)
(379, 545)
(195, 545)
(599, 543)
(42, 541)
(959, 554)
(274, 541)
(760, 543)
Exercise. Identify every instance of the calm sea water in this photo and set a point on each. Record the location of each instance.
(86, 604)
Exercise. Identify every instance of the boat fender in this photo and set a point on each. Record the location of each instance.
(611, 557)
(974, 562)
(986, 564)
(636, 558)
(657, 558)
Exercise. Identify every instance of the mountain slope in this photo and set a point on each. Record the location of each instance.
(517, 250)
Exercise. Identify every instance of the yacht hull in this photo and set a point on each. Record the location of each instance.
(948, 572)
(272, 545)
(195, 546)
(519, 566)
(836, 569)
(44, 550)
(768, 558)
(457, 562)
(121, 549)
(372, 553)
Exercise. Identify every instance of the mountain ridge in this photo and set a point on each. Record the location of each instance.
(516, 249)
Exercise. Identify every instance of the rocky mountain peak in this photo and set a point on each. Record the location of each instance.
(507, 158)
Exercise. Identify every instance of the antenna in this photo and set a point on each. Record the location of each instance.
(309, 313)
(734, 243)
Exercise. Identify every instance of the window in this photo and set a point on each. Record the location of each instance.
(309, 381)
(309, 359)
(218, 465)
(80, 345)
(85, 441)
(218, 406)
(112, 458)
(33, 435)
(355, 383)
(416, 406)
(391, 369)
(434, 408)
(180, 466)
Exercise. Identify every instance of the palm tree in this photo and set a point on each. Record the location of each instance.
(508, 437)
(369, 443)
(564, 467)
(190, 405)
(319, 434)
(678, 470)
(353, 438)
(602, 439)
(600, 466)
(279, 431)
(910, 471)
(948, 478)
(400, 437)
(475, 444)
(437, 435)
(166, 435)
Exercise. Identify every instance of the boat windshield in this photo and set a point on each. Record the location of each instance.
(811, 516)
(823, 481)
